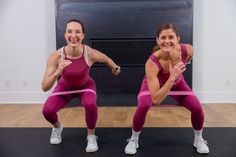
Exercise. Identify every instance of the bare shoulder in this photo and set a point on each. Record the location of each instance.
(157, 54)
(189, 52)
(151, 70)
(189, 49)
(150, 66)
(93, 54)
(55, 56)
(91, 51)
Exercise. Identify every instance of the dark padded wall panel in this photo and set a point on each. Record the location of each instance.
(126, 52)
(120, 90)
(124, 30)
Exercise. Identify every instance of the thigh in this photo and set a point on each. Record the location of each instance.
(180, 86)
(144, 101)
(56, 102)
(88, 98)
(190, 102)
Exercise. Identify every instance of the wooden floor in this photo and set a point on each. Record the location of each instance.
(19, 115)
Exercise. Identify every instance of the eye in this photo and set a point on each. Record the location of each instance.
(69, 31)
(163, 37)
(171, 37)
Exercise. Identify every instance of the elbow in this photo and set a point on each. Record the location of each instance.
(44, 88)
(156, 101)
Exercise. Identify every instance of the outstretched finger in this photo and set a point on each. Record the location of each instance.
(182, 66)
(183, 69)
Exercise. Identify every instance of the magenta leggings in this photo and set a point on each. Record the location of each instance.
(190, 102)
(88, 99)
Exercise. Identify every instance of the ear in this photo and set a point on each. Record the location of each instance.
(178, 39)
(157, 40)
(83, 36)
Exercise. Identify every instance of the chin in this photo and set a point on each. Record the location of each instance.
(166, 49)
(73, 45)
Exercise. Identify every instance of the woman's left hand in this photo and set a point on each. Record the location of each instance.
(116, 71)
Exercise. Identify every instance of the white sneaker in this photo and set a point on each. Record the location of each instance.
(92, 145)
(201, 146)
(132, 146)
(56, 135)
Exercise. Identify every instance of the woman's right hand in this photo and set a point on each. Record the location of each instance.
(177, 70)
(61, 65)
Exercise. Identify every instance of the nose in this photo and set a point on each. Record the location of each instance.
(73, 34)
(167, 40)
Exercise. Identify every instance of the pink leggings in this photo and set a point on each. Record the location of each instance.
(190, 102)
(56, 102)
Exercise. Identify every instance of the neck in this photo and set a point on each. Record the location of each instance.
(171, 55)
(175, 55)
(165, 55)
(74, 51)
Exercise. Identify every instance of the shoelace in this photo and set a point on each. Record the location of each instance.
(55, 132)
(202, 140)
(92, 139)
(133, 140)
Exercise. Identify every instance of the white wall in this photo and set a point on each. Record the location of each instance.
(27, 35)
(214, 74)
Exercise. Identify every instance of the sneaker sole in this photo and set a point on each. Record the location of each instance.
(203, 153)
(55, 143)
(130, 153)
(91, 151)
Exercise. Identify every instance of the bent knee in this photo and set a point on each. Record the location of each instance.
(47, 111)
(144, 107)
(90, 105)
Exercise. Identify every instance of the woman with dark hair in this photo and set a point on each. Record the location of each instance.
(71, 64)
(163, 75)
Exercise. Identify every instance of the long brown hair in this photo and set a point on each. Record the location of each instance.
(165, 27)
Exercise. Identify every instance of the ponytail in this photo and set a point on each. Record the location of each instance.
(156, 48)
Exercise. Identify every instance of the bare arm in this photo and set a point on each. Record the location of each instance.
(97, 56)
(190, 51)
(55, 65)
(159, 94)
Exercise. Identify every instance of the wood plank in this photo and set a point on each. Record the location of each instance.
(30, 115)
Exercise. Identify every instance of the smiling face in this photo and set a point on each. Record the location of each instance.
(167, 40)
(167, 37)
(74, 33)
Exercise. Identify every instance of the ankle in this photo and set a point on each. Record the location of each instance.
(135, 135)
(91, 136)
(90, 131)
(197, 134)
(57, 125)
